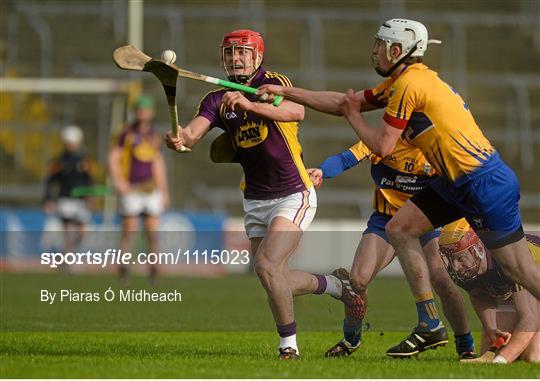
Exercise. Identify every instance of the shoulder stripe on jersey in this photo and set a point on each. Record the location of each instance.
(398, 115)
(286, 79)
(283, 79)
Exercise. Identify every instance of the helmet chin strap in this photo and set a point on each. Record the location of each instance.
(399, 62)
(242, 78)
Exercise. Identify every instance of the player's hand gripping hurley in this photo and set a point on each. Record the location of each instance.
(129, 57)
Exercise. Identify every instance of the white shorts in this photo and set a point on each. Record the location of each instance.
(299, 208)
(136, 203)
(73, 210)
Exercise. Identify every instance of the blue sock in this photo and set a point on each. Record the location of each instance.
(464, 343)
(428, 317)
(352, 331)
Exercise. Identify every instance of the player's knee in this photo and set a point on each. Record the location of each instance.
(359, 282)
(264, 268)
(398, 231)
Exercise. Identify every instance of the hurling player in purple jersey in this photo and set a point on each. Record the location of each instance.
(279, 198)
(505, 308)
(138, 171)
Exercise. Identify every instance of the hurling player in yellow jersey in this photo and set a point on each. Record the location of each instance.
(474, 182)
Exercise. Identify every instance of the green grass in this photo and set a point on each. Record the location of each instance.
(221, 329)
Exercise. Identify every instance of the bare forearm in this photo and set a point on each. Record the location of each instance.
(517, 344)
(323, 101)
(286, 112)
(370, 136)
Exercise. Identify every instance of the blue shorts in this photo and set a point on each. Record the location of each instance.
(377, 224)
(489, 201)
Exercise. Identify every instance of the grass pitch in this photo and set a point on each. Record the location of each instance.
(221, 329)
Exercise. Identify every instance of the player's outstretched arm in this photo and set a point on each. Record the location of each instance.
(323, 101)
(382, 140)
(189, 135)
(526, 328)
(286, 112)
(335, 165)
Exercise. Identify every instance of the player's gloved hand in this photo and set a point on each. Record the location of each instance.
(316, 176)
(235, 100)
(174, 142)
(351, 104)
(267, 93)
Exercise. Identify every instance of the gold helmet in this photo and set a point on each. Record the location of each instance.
(461, 250)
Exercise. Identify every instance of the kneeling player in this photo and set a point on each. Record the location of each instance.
(505, 308)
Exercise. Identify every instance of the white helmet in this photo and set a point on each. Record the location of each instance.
(72, 134)
(412, 35)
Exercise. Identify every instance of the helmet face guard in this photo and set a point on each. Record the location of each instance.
(242, 40)
(469, 251)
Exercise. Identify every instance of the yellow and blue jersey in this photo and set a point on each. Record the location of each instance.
(397, 176)
(444, 130)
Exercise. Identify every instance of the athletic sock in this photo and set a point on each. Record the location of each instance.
(352, 331)
(287, 336)
(328, 284)
(464, 343)
(428, 317)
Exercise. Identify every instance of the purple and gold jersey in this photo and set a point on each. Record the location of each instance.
(445, 130)
(397, 176)
(268, 151)
(139, 151)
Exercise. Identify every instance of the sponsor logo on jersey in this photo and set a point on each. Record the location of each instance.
(406, 179)
(251, 134)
